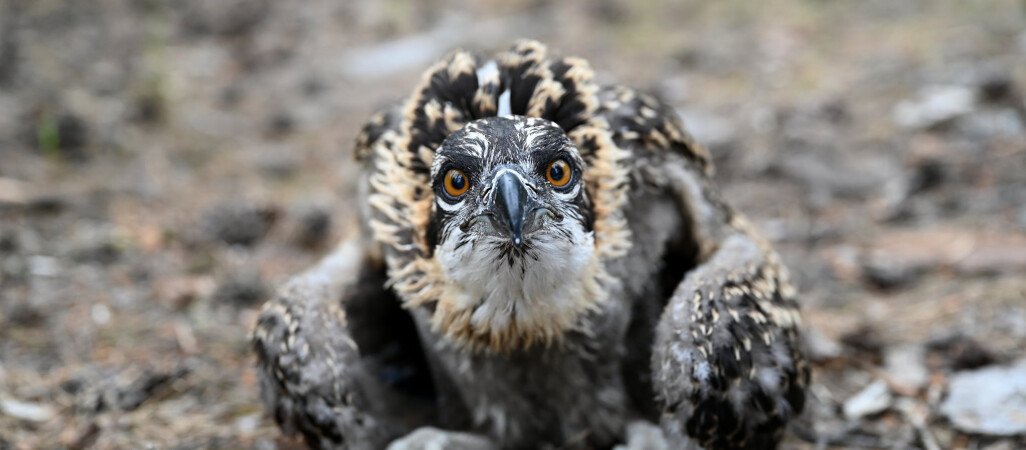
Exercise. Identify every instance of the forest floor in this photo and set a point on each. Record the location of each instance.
(165, 164)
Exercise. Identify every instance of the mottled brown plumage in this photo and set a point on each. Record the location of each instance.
(671, 309)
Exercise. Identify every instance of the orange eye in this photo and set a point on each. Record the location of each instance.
(559, 173)
(456, 183)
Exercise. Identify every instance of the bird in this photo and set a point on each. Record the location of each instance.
(542, 261)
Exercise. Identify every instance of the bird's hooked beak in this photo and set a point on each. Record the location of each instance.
(511, 204)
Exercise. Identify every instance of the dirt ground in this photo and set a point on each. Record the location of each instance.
(165, 163)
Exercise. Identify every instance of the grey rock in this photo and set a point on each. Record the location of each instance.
(642, 435)
(866, 342)
(960, 352)
(988, 401)
(243, 288)
(934, 105)
(233, 18)
(44, 266)
(34, 412)
(122, 389)
(907, 365)
(888, 273)
(997, 88)
(709, 129)
(239, 224)
(873, 399)
(830, 175)
(1001, 445)
(991, 123)
(429, 438)
(278, 162)
(820, 347)
(313, 227)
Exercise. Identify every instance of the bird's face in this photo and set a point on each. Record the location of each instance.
(508, 184)
(512, 230)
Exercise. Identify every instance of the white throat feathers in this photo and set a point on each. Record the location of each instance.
(507, 302)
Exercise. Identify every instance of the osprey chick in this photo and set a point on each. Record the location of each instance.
(545, 263)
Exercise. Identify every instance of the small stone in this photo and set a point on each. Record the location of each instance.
(64, 135)
(103, 253)
(13, 191)
(313, 228)
(934, 106)
(47, 204)
(961, 352)
(239, 224)
(33, 412)
(944, 435)
(643, 435)
(100, 314)
(874, 399)
(432, 438)
(22, 314)
(242, 288)
(1001, 445)
(865, 341)
(312, 86)
(907, 365)
(280, 163)
(709, 129)
(180, 292)
(8, 242)
(234, 18)
(609, 11)
(150, 108)
(929, 174)
(73, 384)
(73, 135)
(820, 347)
(836, 110)
(992, 123)
(281, 123)
(126, 390)
(988, 401)
(248, 423)
(897, 258)
(995, 254)
(44, 266)
(887, 273)
(231, 96)
(997, 88)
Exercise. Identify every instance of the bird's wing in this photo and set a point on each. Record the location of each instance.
(727, 367)
(312, 376)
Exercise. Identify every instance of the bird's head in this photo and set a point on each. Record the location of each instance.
(511, 229)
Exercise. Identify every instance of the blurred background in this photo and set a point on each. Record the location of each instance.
(165, 163)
